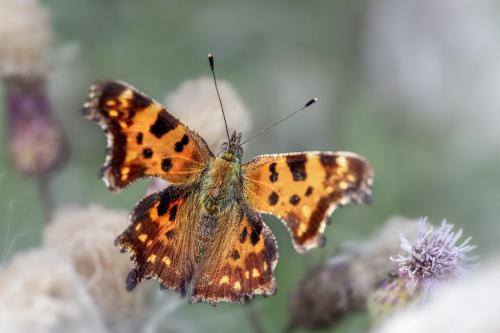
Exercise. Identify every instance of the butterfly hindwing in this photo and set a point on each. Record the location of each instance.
(160, 239)
(144, 139)
(303, 189)
(240, 262)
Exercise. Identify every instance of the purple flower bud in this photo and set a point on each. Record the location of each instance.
(36, 141)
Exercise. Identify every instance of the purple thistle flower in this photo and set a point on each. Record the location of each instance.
(436, 256)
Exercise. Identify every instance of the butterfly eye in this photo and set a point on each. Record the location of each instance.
(224, 147)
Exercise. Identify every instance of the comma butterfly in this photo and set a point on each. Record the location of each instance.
(204, 234)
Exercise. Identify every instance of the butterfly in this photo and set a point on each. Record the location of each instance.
(204, 235)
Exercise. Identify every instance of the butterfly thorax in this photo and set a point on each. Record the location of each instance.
(220, 185)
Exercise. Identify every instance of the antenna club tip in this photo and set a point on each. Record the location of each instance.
(311, 102)
(211, 60)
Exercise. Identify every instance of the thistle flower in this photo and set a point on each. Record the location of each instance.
(342, 284)
(434, 257)
(36, 141)
(85, 236)
(465, 305)
(424, 264)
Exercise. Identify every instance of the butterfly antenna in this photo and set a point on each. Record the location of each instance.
(308, 104)
(211, 61)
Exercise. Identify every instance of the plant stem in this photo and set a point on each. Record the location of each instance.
(46, 198)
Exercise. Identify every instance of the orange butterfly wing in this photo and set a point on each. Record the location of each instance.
(161, 239)
(303, 189)
(143, 138)
(240, 262)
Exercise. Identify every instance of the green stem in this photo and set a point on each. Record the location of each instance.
(46, 198)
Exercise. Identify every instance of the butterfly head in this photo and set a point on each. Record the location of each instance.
(232, 151)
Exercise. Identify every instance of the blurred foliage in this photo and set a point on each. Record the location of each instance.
(275, 54)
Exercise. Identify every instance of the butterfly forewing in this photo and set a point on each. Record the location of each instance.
(303, 189)
(143, 138)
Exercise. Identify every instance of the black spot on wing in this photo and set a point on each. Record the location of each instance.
(173, 213)
(147, 152)
(254, 237)
(163, 205)
(297, 166)
(166, 197)
(273, 198)
(139, 138)
(235, 255)
(274, 175)
(327, 160)
(170, 234)
(243, 235)
(256, 224)
(309, 191)
(294, 199)
(166, 164)
(164, 123)
(179, 146)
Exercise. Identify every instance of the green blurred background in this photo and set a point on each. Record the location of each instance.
(403, 84)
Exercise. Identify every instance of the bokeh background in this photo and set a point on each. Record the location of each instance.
(411, 85)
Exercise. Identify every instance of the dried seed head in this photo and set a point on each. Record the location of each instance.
(196, 104)
(24, 39)
(86, 237)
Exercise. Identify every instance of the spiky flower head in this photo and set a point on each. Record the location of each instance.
(436, 256)
(340, 285)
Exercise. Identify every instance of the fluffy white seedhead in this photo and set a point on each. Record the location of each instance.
(24, 38)
(86, 237)
(196, 104)
(40, 292)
